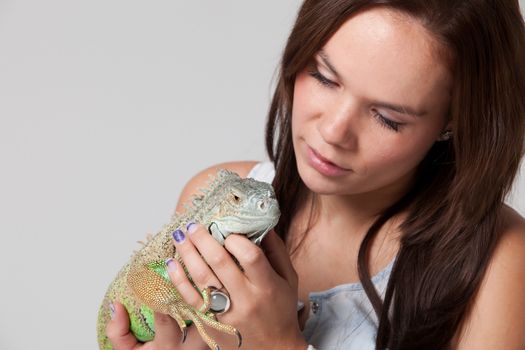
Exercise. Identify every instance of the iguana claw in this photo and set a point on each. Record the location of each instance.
(184, 334)
(239, 338)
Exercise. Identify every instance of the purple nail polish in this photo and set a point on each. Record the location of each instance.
(178, 236)
(172, 266)
(169, 263)
(191, 227)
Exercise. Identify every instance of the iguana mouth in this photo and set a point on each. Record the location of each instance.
(254, 236)
(217, 226)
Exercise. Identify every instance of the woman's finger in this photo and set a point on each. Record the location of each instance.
(167, 332)
(217, 257)
(118, 331)
(277, 254)
(182, 283)
(199, 271)
(256, 267)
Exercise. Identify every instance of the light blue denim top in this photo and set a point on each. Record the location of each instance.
(341, 317)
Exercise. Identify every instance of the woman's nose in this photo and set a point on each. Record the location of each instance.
(339, 125)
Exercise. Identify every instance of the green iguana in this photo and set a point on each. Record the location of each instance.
(230, 205)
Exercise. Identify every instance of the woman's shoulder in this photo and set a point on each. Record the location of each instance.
(200, 179)
(510, 248)
(509, 254)
(512, 220)
(497, 314)
(240, 167)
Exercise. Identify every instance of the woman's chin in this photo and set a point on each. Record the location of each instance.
(320, 184)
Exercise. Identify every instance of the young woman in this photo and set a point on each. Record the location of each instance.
(395, 131)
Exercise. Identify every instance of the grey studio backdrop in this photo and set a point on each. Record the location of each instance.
(106, 109)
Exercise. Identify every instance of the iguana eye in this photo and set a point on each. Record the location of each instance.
(235, 197)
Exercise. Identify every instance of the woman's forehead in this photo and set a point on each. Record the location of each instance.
(380, 52)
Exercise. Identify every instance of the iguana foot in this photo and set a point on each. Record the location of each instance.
(200, 319)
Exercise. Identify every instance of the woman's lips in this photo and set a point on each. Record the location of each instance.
(323, 165)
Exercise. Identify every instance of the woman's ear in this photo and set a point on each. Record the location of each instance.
(446, 132)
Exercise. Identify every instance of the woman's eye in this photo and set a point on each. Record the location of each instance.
(388, 123)
(321, 78)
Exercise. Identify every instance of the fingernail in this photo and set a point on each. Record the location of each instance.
(178, 236)
(171, 264)
(111, 310)
(191, 227)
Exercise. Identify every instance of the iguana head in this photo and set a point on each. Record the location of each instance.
(236, 205)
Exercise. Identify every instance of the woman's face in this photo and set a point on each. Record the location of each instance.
(370, 105)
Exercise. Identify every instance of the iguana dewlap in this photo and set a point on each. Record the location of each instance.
(230, 205)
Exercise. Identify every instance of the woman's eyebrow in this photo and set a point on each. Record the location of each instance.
(396, 108)
(327, 63)
(400, 109)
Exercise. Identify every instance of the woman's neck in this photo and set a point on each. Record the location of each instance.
(358, 209)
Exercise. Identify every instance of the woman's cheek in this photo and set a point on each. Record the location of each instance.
(309, 98)
(300, 92)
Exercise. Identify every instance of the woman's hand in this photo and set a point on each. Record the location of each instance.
(263, 297)
(167, 332)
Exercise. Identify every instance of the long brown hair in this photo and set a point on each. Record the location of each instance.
(453, 207)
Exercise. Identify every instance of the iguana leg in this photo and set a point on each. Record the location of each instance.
(206, 293)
